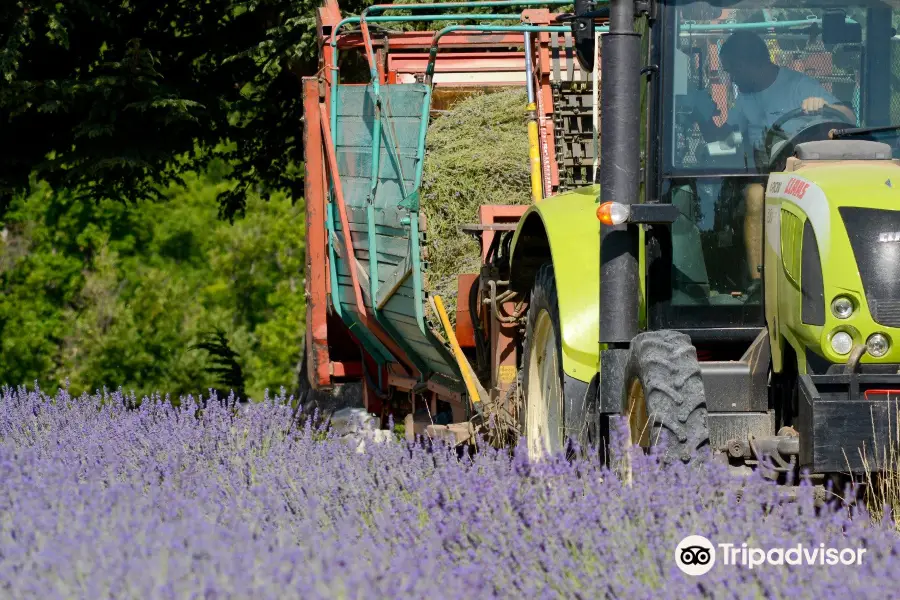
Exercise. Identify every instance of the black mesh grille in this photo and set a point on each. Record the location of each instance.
(812, 286)
(875, 239)
(886, 312)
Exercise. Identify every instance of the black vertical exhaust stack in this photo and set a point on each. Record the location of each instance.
(620, 64)
(620, 166)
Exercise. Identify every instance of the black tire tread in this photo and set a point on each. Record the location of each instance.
(666, 364)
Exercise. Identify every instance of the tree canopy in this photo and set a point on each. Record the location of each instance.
(120, 98)
(142, 296)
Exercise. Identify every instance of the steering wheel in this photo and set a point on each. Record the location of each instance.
(815, 131)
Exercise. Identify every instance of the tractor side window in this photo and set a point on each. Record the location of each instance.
(700, 276)
(709, 260)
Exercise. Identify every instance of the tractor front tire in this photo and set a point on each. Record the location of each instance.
(663, 401)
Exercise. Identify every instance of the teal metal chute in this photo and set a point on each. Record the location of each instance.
(379, 147)
(384, 216)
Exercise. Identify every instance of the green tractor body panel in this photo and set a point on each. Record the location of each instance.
(812, 204)
(827, 226)
(568, 224)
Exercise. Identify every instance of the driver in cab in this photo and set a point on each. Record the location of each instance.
(767, 92)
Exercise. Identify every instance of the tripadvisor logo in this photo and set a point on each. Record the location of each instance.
(695, 555)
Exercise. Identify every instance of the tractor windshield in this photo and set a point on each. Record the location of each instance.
(740, 86)
(748, 81)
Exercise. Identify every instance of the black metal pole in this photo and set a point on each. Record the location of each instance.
(620, 64)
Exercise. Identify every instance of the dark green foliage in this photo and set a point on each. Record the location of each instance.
(106, 294)
(224, 362)
(117, 99)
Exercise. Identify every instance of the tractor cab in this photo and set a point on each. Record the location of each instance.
(740, 86)
(774, 130)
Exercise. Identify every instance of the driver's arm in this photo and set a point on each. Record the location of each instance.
(736, 121)
(702, 113)
(816, 103)
(816, 97)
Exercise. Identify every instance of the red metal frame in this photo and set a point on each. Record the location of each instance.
(887, 393)
(319, 371)
(348, 370)
(493, 214)
(328, 144)
(465, 329)
(409, 40)
(456, 69)
(466, 60)
(504, 356)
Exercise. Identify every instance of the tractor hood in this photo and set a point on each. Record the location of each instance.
(835, 225)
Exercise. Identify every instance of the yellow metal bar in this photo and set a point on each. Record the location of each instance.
(534, 154)
(477, 393)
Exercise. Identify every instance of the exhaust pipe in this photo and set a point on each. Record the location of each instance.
(619, 173)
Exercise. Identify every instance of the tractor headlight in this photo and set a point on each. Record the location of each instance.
(842, 307)
(878, 345)
(842, 342)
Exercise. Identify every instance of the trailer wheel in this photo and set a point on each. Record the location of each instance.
(544, 417)
(664, 400)
(326, 402)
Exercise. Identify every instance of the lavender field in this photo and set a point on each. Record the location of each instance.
(102, 502)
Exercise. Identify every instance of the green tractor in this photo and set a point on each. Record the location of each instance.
(739, 260)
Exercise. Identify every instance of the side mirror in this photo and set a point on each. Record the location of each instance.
(584, 33)
(836, 29)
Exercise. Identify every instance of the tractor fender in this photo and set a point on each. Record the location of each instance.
(564, 230)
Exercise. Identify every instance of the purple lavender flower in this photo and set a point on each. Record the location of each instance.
(160, 501)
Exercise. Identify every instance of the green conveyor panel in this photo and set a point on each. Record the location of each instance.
(399, 304)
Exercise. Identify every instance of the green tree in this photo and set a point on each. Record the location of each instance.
(119, 99)
(109, 294)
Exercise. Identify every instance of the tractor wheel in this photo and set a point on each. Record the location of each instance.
(545, 417)
(663, 400)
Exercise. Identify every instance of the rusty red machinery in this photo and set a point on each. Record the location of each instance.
(468, 61)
